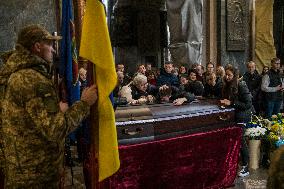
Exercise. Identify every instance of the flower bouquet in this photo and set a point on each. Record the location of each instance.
(276, 130)
(255, 131)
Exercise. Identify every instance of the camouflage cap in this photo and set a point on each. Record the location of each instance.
(31, 34)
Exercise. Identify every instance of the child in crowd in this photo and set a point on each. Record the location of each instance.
(212, 88)
(152, 79)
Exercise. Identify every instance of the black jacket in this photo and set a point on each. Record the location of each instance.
(195, 87)
(242, 102)
(213, 91)
(253, 82)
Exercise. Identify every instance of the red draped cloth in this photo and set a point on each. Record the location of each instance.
(203, 160)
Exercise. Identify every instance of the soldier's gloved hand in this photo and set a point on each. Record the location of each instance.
(90, 95)
(63, 106)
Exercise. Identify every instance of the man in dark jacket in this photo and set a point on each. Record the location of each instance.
(253, 81)
(166, 76)
(34, 122)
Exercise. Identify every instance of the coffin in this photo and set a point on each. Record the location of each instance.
(192, 146)
(137, 124)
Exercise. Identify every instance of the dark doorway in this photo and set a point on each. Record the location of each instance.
(278, 28)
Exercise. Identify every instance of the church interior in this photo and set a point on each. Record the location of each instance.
(198, 92)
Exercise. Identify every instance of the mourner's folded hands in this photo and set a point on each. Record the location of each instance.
(225, 102)
(163, 87)
(134, 102)
(199, 97)
(279, 88)
(90, 95)
(63, 106)
(142, 100)
(179, 101)
(150, 99)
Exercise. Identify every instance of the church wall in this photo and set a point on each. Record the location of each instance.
(18, 13)
(235, 51)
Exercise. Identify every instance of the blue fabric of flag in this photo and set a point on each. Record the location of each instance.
(68, 53)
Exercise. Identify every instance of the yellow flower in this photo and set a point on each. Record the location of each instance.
(281, 132)
(275, 127)
(272, 137)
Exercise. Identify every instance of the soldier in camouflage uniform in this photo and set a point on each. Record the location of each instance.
(34, 122)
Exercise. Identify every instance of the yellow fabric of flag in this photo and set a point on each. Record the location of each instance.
(264, 41)
(96, 47)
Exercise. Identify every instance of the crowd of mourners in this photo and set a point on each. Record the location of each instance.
(182, 84)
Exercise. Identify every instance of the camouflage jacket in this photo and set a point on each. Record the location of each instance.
(33, 128)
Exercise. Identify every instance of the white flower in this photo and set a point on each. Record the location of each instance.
(255, 132)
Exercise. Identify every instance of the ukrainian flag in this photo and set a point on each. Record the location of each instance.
(96, 47)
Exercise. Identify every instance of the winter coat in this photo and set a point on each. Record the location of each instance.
(33, 128)
(167, 79)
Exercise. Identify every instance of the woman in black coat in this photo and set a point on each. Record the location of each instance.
(235, 93)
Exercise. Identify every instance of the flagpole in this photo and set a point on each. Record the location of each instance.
(94, 133)
(58, 13)
(79, 6)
